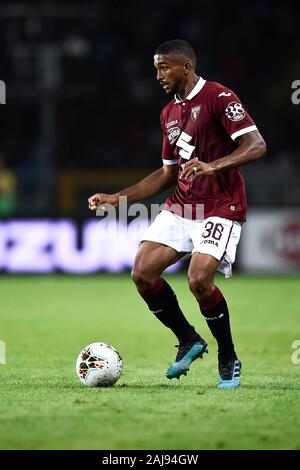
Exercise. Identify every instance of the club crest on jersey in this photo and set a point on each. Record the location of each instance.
(173, 133)
(195, 112)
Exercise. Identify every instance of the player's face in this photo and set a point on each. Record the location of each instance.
(171, 72)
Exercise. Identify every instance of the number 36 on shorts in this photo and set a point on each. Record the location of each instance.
(219, 235)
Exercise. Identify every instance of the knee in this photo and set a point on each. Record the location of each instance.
(200, 283)
(142, 278)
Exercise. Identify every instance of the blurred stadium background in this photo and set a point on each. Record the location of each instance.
(82, 116)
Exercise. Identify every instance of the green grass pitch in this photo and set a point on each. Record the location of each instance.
(46, 321)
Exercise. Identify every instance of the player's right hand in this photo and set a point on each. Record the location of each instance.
(99, 199)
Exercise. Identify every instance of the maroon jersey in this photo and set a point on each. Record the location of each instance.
(205, 126)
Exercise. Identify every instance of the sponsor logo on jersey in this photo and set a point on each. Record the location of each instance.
(195, 112)
(235, 111)
(171, 123)
(173, 133)
(224, 94)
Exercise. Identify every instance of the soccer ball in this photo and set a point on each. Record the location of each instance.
(99, 365)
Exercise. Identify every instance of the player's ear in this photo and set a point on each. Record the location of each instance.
(187, 67)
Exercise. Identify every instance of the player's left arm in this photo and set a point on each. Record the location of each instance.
(232, 115)
(251, 146)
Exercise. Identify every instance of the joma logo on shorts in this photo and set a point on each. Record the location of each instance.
(210, 242)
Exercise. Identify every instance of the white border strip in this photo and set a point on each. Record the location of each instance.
(198, 87)
(243, 131)
(169, 162)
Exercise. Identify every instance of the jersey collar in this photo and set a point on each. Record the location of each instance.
(198, 87)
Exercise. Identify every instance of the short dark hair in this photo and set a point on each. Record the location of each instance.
(178, 47)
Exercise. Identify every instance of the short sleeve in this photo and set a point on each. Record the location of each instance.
(232, 114)
(168, 157)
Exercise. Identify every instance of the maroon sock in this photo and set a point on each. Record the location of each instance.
(215, 311)
(149, 294)
(163, 303)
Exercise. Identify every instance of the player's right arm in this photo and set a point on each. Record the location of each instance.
(155, 183)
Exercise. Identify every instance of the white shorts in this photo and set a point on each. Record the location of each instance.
(215, 236)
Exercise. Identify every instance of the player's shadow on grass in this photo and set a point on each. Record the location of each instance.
(200, 389)
(168, 387)
(272, 386)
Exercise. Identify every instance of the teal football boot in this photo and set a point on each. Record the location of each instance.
(187, 353)
(229, 373)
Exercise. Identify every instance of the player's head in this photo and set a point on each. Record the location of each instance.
(174, 61)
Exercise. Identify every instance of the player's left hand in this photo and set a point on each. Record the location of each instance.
(194, 168)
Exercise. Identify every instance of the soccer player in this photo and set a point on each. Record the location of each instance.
(207, 136)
